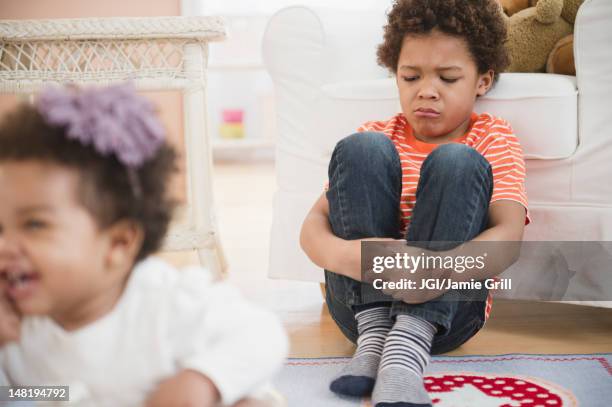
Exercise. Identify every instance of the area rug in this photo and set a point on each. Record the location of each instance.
(513, 380)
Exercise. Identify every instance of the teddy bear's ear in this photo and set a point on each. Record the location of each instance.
(548, 11)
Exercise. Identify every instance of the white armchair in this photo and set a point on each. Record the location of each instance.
(323, 65)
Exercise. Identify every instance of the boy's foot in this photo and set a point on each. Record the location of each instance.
(399, 381)
(358, 377)
(405, 388)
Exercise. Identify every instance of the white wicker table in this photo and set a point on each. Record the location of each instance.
(161, 53)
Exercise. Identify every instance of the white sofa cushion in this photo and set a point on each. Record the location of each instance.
(527, 102)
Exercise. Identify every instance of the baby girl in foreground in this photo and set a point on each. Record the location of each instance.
(83, 203)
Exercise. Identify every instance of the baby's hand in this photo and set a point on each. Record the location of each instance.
(187, 388)
(9, 321)
(255, 403)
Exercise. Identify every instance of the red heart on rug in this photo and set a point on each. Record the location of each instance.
(476, 389)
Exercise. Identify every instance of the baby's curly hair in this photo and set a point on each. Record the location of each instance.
(479, 22)
(105, 189)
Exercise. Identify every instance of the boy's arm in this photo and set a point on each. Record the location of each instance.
(506, 224)
(506, 221)
(325, 249)
(501, 241)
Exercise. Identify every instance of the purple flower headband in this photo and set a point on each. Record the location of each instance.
(113, 120)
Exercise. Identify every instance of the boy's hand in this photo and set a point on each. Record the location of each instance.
(10, 324)
(187, 388)
(350, 255)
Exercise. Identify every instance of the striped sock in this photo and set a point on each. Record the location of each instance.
(399, 382)
(357, 378)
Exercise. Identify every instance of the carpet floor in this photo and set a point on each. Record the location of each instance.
(513, 380)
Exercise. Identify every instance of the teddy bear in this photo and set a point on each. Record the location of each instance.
(561, 58)
(540, 36)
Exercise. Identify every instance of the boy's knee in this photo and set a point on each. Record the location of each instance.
(455, 151)
(456, 158)
(366, 147)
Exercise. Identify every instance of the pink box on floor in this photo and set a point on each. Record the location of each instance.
(233, 115)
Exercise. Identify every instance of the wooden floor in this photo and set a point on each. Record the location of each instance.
(244, 194)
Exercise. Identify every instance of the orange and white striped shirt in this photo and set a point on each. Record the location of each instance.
(492, 137)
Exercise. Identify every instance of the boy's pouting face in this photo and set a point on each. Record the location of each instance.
(438, 82)
(54, 259)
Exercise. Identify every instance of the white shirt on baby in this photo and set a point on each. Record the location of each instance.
(167, 320)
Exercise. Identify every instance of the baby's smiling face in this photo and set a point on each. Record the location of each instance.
(54, 258)
(438, 82)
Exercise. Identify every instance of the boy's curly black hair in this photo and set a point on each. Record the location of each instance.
(479, 22)
(105, 189)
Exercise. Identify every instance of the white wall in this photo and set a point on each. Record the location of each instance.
(237, 78)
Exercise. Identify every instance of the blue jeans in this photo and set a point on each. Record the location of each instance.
(453, 194)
